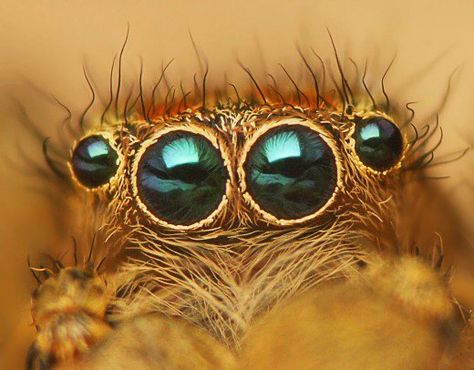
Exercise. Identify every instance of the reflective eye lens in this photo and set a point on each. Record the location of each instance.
(181, 178)
(94, 161)
(378, 143)
(291, 172)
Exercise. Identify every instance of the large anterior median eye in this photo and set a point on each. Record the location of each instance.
(181, 178)
(378, 143)
(94, 162)
(290, 172)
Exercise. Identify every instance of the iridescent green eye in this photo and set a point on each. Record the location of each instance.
(94, 162)
(181, 178)
(378, 143)
(290, 172)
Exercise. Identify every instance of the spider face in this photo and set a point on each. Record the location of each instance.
(196, 171)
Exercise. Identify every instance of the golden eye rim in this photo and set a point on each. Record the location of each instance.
(114, 180)
(217, 142)
(259, 132)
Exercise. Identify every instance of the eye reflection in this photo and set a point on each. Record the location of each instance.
(94, 161)
(291, 172)
(181, 178)
(378, 143)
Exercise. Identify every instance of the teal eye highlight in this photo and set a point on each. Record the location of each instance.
(94, 162)
(290, 172)
(284, 145)
(181, 178)
(378, 143)
(180, 152)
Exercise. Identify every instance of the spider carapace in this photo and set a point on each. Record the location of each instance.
(278, 229)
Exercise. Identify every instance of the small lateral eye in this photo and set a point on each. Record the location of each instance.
(94, 162)
(378, 143)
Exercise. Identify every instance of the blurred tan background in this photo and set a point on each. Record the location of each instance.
(46, 42)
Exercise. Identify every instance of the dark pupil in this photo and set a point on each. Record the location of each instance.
(94, 162)
(291, 172)
(181, 178)
(379, 143)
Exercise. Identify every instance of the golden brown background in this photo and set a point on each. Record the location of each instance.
(46, 42)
